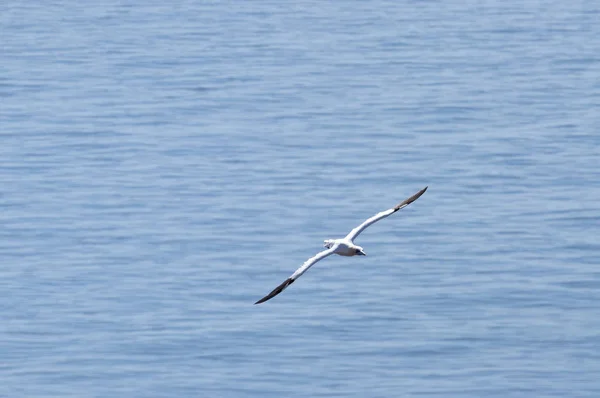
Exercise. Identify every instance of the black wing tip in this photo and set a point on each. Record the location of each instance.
(411, 199)
(276, 291)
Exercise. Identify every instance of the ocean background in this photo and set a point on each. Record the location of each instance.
(163, 165)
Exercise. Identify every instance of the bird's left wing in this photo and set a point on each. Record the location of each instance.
(356, 231)
(307, 264)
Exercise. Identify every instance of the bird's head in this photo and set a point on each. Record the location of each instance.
(359, 251)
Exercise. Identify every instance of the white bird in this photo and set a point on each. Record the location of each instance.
(343, 247)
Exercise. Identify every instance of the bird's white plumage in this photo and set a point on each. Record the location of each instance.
(343, 247)
(311, 261)
(379, 216)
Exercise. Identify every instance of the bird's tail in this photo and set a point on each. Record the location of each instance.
(328, 243)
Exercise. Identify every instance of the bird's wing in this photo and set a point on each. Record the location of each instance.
(356, 231)
(307, 264)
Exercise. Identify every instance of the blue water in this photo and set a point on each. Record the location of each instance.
(163, 166)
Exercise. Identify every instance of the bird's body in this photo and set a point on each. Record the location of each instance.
(343, 247)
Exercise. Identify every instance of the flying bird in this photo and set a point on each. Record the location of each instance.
(342, 247)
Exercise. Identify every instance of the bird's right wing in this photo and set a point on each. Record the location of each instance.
(307, 264)
(356, 231)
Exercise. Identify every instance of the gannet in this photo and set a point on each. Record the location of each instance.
(343, 247)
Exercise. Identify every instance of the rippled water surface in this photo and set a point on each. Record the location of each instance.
(164, 165)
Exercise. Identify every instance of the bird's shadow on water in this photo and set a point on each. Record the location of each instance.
(201, 89)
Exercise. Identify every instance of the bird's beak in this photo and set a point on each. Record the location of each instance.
(362, 253)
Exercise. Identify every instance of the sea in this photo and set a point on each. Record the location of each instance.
(164, 165)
